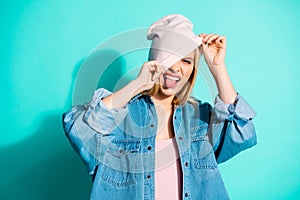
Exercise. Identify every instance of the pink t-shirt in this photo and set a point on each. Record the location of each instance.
(168, 174)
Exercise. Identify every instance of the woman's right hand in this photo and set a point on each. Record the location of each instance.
(147, 77)
(149, 74)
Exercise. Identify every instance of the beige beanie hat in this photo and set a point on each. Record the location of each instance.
(172, 39)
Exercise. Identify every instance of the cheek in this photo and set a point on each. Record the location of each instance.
(187, 73)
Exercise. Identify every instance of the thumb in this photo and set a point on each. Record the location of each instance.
(204, 47)
(208, 58)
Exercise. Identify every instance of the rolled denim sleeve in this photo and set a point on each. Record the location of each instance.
(84, 140)
(99, 117)
(85, 126)
(231, 128)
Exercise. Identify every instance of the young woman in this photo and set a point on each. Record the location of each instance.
(150, 139)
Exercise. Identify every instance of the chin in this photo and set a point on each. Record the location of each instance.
(168, 91)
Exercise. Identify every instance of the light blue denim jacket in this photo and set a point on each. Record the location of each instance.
(118, 145)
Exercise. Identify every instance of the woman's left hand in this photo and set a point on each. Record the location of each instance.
(214, 49)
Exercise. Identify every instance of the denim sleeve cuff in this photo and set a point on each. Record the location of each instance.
(240, 109)
(98, 116)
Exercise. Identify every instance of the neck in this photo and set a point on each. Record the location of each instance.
(165, 101)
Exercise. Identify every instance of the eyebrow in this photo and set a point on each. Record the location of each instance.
(188, 58)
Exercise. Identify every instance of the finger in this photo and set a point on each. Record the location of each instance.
(151, 65)
(201, 49)
(155, 76)
(206, 37)
(157, 67)
(221, 42)
(221, 39)
(204, 47)
(161, 68)
(202, 35)
(212, 38)
(151, 68)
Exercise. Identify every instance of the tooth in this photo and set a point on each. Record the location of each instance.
(172, 78)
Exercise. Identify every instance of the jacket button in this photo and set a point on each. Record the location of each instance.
(148, 176)
(149, 148)
(186, 163)
(121, 151)
(152, 125)
(180, 138)
(186, 194)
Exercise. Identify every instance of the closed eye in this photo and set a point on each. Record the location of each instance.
(187, 61)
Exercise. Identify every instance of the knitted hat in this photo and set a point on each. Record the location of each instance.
(172, 39)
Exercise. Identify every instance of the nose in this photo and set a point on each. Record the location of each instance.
(176, 67)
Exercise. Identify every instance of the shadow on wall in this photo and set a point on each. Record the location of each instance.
(44, 166)
(103, 68)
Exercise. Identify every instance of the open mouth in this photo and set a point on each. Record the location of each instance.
(170, 81)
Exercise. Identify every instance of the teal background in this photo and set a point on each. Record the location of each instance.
(43, 44)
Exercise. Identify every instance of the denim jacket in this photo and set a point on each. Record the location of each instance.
(118, 145)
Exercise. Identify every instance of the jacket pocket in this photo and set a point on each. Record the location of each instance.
(120, 162)
(201, 149)
(207, 162)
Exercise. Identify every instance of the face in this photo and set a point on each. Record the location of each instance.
(173, 80)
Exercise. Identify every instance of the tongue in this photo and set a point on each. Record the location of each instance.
(170, 83)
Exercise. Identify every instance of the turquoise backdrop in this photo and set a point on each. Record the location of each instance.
(44, 45)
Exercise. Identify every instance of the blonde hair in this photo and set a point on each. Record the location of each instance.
(183, 95)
